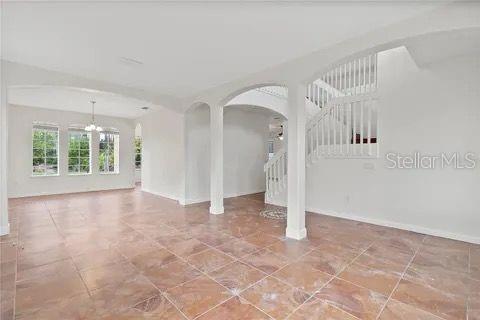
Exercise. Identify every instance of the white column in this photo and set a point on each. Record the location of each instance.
(182, 197)
(4, 224)
(216, 159)
(94, 152)
(296, 162)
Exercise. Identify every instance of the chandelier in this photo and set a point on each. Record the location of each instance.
(92, 126)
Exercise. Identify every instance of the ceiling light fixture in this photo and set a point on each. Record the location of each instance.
(92, 126)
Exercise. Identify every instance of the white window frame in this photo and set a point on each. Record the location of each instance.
(138, 153)
(46, 128)
(79, 173)
(115, 152)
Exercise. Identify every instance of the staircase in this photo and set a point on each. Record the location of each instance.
(345, 119)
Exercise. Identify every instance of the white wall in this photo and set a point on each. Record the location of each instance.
(163, 153)
(4, 222)
(245, 152)
(431, 110)
(20, 180)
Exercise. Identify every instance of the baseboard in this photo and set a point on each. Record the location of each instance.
(276, 202)
(4, 230)
(398, 225)
(384, 223)
(226, 196)
(38, 194)
(162, 194)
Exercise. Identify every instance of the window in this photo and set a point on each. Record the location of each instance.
(45, 150)
(78, 151)
(108, 153)
(138, 153)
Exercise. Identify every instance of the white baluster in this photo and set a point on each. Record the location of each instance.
(334, 128)
(329, 129)
(354, 77)
(375, 108)
(369, 124)
(364, 74)
(269, 187)
(370, 73)
(354, 105)
(341, 129)
(323, 134)
(279, 174)
(317, 143)
(318, 96)
(350, 78)
(311, 144)
(274, 185)
(348, 127)
(361, 126)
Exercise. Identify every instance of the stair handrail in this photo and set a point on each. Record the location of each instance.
(277, 155)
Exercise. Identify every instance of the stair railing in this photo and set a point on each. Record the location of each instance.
(346, 125)
(276, 172)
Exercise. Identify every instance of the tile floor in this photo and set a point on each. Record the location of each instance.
(131, 255)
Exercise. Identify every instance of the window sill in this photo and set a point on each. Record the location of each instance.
(45, 176)
(109, 173)
(79, 174)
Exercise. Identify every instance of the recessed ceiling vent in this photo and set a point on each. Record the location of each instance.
(131, 62)
(144, 108)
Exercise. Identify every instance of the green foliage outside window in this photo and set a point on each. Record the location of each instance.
(138, 153)
(78, 152)
(106, 156)
(45, 151)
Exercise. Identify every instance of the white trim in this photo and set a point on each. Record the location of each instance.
(4, 230)
(37, 194)
(217, 210)
(163, 195)
(385, 223)
(230, 195)
(275, 202)
(296, 234)
(399, 225)
(45, 175)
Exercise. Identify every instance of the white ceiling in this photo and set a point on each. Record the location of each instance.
(435, 48)
(183, 48)
(78, 100)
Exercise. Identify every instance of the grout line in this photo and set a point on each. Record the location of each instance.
(128, 260)
(238, 260)
(400, 279)
(331, 279)
(188, 263)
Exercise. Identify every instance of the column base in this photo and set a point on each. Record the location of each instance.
(216, 210)
(296, 233)
(4, 230)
